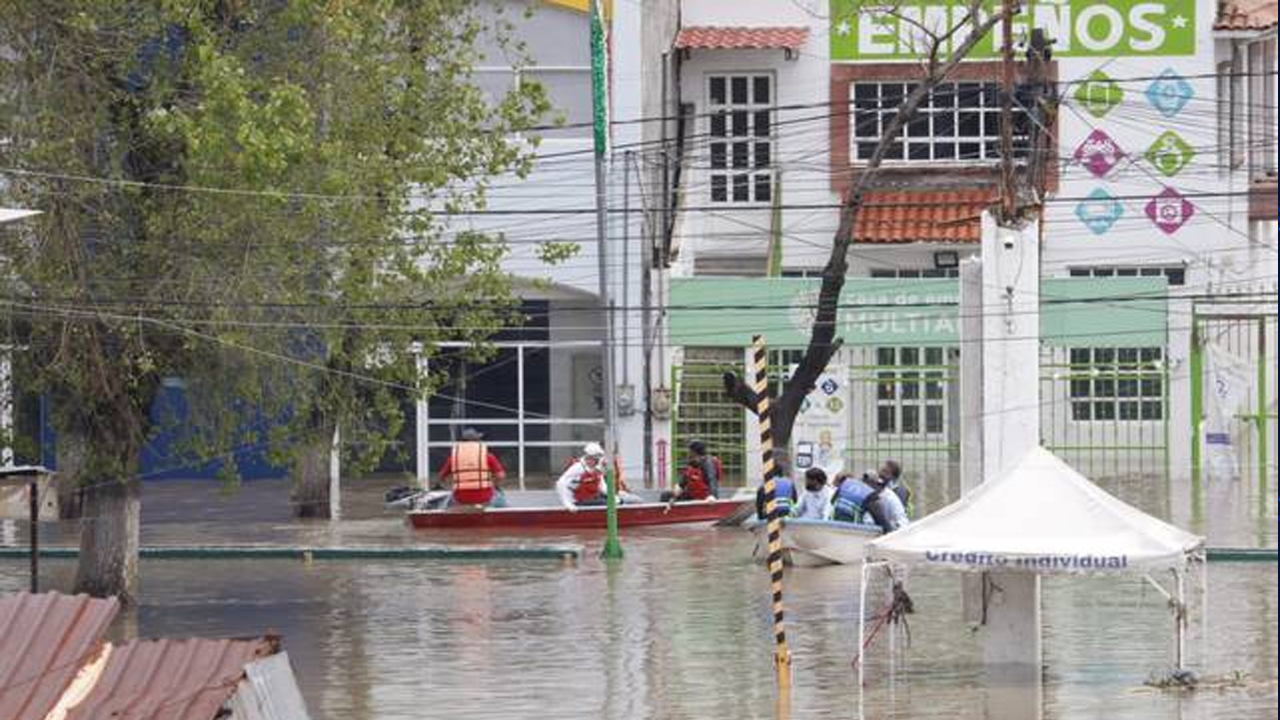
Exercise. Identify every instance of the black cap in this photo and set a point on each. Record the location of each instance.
(471, 434)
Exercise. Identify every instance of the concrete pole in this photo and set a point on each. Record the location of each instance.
(1011, 424)
(421, 428)
(6, 406)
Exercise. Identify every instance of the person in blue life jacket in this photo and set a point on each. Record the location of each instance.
(850, 497)
(784, 492)
(816, 498)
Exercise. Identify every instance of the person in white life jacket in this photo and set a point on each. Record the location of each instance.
(472, 472)
(816, 499)
(583, 483)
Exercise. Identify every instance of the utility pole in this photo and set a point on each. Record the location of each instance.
(600, 126)
(1008, 190)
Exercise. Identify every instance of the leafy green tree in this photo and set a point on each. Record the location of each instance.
(252, 196)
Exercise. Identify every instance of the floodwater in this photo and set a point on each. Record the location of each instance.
(678, 629)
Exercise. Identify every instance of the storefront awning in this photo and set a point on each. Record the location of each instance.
(720, 37)
(936, 216)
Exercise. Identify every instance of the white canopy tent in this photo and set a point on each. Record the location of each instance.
(1042, 517)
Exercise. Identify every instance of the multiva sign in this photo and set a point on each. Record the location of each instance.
(862, 30)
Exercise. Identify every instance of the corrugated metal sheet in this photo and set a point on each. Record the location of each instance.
(44, 640)
(708, 37)
(935, 216)
(1246, 15)
(268, 692)
(168, 679)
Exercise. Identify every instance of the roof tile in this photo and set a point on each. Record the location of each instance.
(717, 37)
(1246, 15)
(952, 216)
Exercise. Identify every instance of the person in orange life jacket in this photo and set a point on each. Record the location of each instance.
(583, 482)
(473, 471)
(700, 478)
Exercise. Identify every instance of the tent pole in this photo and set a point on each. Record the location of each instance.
(862, 625)
(1180, 615)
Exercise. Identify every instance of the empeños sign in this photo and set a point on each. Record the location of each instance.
(902, 30)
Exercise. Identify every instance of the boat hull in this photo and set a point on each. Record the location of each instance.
(587, 518)
(814, 543)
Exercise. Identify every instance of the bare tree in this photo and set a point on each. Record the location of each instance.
(937, 64)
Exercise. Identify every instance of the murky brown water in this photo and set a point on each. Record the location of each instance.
(679, 629)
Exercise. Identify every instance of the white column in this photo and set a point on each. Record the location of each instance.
(6, 406)
(1011, 425)
(422, 418)
(970, 419)
(520, 414)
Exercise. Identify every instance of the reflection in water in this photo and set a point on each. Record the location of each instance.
(680, 629)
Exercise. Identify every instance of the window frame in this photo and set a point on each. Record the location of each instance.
(1095, 397)
(755, 174)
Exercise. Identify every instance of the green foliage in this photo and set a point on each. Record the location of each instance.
(248, 195)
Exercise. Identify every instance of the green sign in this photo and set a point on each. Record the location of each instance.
(1099, 94)
(726, 312)
(1170, 153)
(903, 29)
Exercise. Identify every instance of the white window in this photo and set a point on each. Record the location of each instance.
(1262, 107)
(911, 390)
(958, 122)
(1175, 275)
(1231, 107)
(903, 273)
(740, 138)
(1125, 383)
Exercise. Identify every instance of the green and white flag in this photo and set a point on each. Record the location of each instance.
(599, 78)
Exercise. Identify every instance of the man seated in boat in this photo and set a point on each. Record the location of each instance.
(784, 500)
(891, 475)
(473, 472)
(583, 483)
(700, 478)
(815, 499)
(885, 506)
(850, 497)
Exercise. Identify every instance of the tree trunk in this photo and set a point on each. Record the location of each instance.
(70, 455)
(310, 473)
(109, 540)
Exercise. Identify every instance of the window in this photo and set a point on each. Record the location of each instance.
(910, 390)
(1262, 107)
(899, 273)
(1117, 384)
(1176, 275)
(959, 122)
(1230, 88)
(740, 136)
(567, 89)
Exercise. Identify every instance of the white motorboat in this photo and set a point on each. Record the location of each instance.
(813, 543)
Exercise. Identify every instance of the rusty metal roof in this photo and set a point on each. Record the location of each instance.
(952, 216)
(713, 37)
(44, 640)
(1246, 15)
(163, 679)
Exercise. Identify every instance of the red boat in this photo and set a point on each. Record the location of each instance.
(558, 518)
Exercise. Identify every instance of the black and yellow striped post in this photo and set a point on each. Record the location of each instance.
(781, 655)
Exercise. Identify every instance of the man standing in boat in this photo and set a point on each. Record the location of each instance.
(473, 471)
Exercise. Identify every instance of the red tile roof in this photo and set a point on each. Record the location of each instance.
(932, 216)
(712, 37)
(44, 639)
(161, 679)
(1246, 15)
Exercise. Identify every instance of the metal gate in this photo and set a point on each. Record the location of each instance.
(703, 411)
(1105, 410)
(904, 405)
(1249, 337)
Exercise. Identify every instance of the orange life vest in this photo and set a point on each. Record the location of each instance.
(470, 466)
(590, 485)
(696, 486)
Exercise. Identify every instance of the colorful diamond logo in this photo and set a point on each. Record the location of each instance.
(1169, 93)
(1170, 210)
(1099, 153)
(1170, 153)
(1099, 94)
(1099, 211)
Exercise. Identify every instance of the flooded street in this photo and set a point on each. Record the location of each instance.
(679, 629)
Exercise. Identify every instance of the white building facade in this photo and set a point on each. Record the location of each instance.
(1159, 217)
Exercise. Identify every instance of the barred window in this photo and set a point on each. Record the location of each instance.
(957, 122)
(1175, 275)
(910, 390)
(740, 137)
(1124, 383)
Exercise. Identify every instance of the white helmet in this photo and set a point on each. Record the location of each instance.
(592, 450)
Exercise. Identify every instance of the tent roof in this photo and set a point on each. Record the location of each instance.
(1041, 516)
